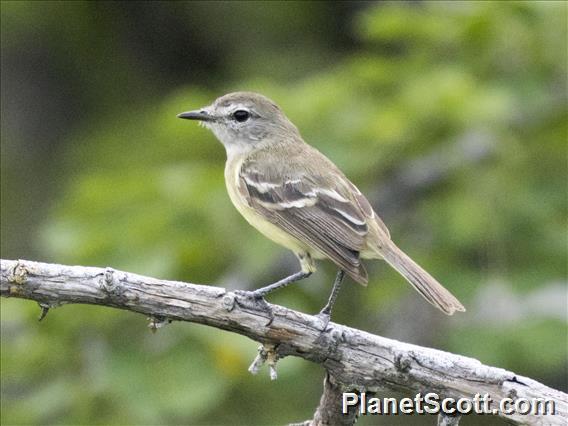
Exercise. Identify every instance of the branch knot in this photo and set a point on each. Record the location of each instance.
(110, 284)
(402, 363)
(19, 274)
(229, 302)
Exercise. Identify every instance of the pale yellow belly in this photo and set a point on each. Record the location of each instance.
(270, 230)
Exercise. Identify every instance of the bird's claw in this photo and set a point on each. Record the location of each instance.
(324, 317)
(255, 300)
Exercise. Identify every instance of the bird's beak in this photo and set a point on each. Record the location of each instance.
(201, 115)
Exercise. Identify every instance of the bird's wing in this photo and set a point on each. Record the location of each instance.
(319, 209)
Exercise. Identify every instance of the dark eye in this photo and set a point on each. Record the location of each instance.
(241, 115)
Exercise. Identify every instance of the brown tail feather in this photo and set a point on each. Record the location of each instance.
(421, 280)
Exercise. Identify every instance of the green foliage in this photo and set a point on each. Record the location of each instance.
(143, 191)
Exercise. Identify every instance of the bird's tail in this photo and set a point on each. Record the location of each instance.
(421, 280)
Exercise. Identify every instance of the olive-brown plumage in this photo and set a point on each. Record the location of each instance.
(297, 197)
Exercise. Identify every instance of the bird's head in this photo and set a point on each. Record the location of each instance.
(243, 121)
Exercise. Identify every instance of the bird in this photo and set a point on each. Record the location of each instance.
(298, 198)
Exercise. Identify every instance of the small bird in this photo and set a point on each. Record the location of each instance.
(295, 196)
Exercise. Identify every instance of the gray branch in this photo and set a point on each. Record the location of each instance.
(354, 360)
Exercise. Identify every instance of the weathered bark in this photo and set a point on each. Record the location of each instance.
(353, 359)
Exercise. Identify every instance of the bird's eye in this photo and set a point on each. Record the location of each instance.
(241, 115)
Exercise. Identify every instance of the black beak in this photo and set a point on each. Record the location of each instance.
(196, 115)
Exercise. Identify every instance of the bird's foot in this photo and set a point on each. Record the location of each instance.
(324, 317)
(255, 300)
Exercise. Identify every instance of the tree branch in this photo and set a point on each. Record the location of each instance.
(354, 360)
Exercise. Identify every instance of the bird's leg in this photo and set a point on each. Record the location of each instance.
(325, 313)
(261, 292)
(257, 296)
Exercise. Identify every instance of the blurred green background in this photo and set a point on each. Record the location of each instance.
(450, 116)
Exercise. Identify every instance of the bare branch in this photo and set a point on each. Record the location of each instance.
(445, 420)
(353, 359)
(330, 410)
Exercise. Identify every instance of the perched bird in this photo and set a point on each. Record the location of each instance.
(298, 198)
